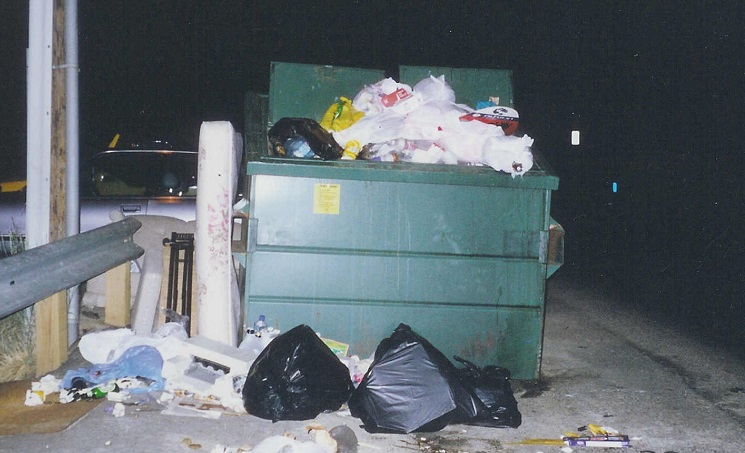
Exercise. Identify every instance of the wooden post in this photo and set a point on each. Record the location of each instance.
(51, 313)
(118, 294)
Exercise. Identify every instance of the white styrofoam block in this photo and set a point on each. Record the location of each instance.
(238, 360)
(147, 298)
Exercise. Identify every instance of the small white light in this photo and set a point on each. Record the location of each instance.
(575, 138)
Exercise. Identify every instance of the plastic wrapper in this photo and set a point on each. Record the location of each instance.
(296, 377)
(410, 386)
(505, 117)
(143, 362)
(303, 137)
(340, 115)
(386, 95)
(434, 89)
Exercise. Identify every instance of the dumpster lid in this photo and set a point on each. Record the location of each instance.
(539, 177)
(306, 90)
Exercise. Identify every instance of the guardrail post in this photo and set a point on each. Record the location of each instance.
(51, 332)
(118, 292)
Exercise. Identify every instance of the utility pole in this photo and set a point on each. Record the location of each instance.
(51, 313)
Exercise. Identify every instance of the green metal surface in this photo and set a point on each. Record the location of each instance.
(307, 91)
(352, 249)
(470, 85)
(536, 178)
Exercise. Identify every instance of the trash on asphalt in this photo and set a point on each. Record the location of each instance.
(407, 385)
(598, 436)
(411, 386)
(490, 388)
(296, 377)
(142, 363)
(37, 395)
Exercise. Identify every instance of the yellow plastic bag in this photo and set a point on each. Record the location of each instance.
(340, 115)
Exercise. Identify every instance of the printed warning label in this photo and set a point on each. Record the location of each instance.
(326, 198)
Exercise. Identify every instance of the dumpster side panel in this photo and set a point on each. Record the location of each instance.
(458, 263)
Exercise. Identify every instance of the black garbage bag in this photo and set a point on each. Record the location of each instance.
(490, 387)
(296, 377)
(303, 137)
(410, 386)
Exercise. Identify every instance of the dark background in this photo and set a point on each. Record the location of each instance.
(655, 87)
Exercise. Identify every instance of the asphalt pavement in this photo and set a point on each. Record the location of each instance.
(603, 363)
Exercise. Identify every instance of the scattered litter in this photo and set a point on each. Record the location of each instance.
(37, 395)
(141, 362)
(194, 446)
(597, 441)
(295, 378)
(406, 364)
(119, 410)
(108, 345)
(47, 384)
(599, 436)
(282, 444)
(339, 439)
(34, 398)
(223, 449)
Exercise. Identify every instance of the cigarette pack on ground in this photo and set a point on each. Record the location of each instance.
(597, 441)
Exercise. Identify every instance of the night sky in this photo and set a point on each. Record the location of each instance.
(655, 87)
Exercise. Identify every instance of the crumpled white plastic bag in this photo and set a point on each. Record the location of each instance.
(509, 154)
(106, 346)
(429, 129)
(434, 89)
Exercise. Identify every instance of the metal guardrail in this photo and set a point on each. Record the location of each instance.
(38, 273)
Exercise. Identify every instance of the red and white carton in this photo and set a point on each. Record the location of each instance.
(391, 99)
(505, 117)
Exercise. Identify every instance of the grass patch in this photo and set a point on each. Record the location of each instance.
(17, 331)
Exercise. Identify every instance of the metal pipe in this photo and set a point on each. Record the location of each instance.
(72, 164)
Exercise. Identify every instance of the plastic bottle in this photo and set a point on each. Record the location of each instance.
(260, 326)
(297, 146)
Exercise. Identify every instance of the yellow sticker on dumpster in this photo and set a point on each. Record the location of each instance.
(326, 198)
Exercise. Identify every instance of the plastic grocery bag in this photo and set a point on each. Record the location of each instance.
(340, 115)
(410, 386)
(142, 361)
(303, 137)
(434, 89)
(495, 402)
(296, 377)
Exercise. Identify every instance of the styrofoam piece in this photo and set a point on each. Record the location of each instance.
(218, 299)
(237, 360)
(147, 299)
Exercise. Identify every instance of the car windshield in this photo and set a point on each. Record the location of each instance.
(146, 174)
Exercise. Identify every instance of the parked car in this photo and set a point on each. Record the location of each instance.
(133, 181)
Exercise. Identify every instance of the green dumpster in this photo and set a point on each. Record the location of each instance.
(353, 248)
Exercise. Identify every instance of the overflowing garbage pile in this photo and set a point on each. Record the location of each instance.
(406, 386)
(390, 121)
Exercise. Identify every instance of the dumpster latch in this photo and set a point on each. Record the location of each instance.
(551, 250)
